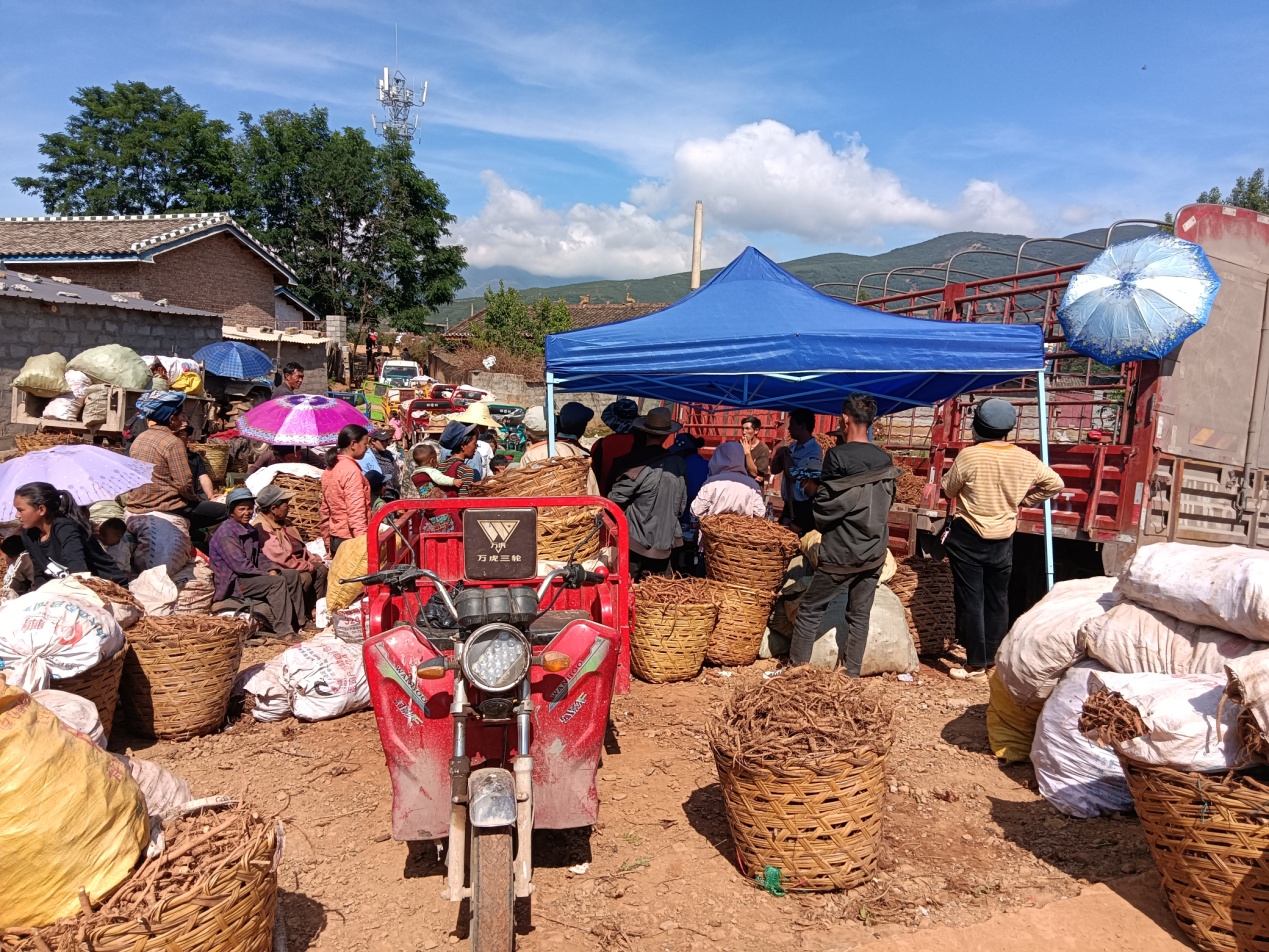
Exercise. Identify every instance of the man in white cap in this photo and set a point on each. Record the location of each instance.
(566, 444)
(651, 488)
(989, 481)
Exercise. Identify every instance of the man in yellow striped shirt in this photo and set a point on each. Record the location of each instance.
(989, 481)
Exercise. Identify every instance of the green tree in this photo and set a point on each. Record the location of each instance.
(134, 150)
(512, 323)
(1248, 192)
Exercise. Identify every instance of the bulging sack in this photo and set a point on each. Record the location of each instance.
(164, 792)
(196, 585)
(69, 811)
(1042, 644)
(114, 364)
(47, 635)
(1131, 639)
(1075, 775)
(76, 713)
(1187, 726)
(349, 561)
(162, 539)
(156, 591)
(1223, 587)
(43, 375)
(316, 680)
(1010, 728)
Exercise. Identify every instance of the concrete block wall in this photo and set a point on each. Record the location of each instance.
(514, 389)
(27, 329)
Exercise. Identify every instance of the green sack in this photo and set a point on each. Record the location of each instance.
(43, 375)
(114, 364)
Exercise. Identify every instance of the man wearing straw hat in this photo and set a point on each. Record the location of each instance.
(651, 487)
(851, 501)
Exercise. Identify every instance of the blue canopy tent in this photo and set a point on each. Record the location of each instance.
(757, 337)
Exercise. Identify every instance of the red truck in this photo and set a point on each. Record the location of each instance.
(1150, 451)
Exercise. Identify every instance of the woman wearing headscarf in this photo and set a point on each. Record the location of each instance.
(619, 416)
(460, 440)
(729, 487)
(171, 489)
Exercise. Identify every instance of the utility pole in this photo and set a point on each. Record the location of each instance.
(696, 245)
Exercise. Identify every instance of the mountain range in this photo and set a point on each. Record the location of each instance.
(995, 256)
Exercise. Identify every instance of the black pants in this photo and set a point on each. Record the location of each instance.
(824, 588)
(282, 598)
(641, 565)
(335, 543)
(980, 588)
(802, 515)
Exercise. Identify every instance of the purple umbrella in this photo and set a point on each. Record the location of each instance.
(89, 473)
(301, 419)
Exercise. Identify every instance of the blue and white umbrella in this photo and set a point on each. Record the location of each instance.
(231, 358)
(1138, 299)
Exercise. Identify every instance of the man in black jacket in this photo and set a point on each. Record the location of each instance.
(852, 499)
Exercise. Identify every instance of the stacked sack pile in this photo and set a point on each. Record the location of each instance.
(1180, 637)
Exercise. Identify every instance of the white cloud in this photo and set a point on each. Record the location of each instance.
(515, 228)
(763, 178)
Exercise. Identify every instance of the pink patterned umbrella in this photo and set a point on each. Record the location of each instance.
(301, 419)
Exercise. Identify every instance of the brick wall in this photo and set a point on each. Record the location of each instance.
(216, 273)
(28, 330)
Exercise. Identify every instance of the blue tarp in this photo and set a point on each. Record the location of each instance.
(757, 337)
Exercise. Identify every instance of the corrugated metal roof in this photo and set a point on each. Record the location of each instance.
(269, 335)
(32, 287)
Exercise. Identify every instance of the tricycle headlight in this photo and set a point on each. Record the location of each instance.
(496, 657)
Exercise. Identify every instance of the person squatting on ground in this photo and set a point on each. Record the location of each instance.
(242, 571)
(57, 536)
(988, 482)
(851, 503)
(284, 547)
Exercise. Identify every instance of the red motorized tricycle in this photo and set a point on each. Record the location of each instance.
(491, 677)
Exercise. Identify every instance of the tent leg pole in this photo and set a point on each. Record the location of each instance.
(550, 413)
(1043, 407)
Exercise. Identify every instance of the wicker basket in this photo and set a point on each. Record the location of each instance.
(1209, 836)
(306, 507)
(747, 551)
(558, 476)
(742, 618)
(668, 640)
(30, 442)
(229, 909)
(99, 684)
(216, 456)
(819, 826)
(562, 529)
(925, 589)
(179, 672)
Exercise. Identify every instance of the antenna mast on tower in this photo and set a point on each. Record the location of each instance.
(398, 99)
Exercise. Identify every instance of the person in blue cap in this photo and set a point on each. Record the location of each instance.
(460, 440)
(243, 571)
(988, 482)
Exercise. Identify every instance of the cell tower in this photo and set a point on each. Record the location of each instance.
(398, 100)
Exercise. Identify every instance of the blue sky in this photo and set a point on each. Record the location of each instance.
(572, 138)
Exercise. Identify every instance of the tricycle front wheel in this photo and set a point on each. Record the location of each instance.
(492, 923)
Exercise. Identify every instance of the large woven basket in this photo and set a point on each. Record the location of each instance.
(179, 672)
(562, 529)
(216, 456)
(742, 618)
(99, 684)
(230, 909)
(924, 588)
(558, 476)
(306, 507)
(747, 551)
(820, 826)
(29, 442)
(668, 640)
(1209, 836)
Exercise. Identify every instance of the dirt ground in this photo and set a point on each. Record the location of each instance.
(964, 839)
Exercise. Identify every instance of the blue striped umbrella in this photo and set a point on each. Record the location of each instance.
(231, 358)
(1138, 299)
